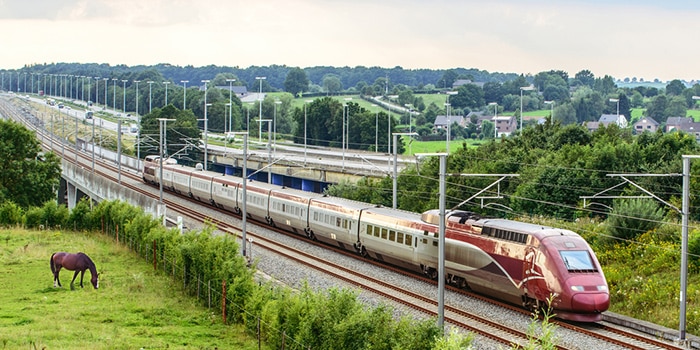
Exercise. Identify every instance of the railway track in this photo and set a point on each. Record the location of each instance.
(500, 333)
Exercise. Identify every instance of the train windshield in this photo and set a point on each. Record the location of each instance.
(577, 260)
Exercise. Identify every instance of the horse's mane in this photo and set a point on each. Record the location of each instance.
(91, 264)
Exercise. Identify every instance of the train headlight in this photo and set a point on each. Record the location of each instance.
(602, 288)
(577, 288)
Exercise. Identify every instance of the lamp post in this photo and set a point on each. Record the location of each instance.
(269, 154)
(244, 196)
(106, 83)
(97, 91)
(184, 93)
(523, 88)
(114, 94)
(396, 134)
(206, 124)
(150, 100)
(551, 104)
(124, 96)
(230, 114)
(166, 92)
(163, 131)
(495, 117)
(260, 98)
(616, 100)
(448, 122)
(230, 106)
(305, 102)
(441, 239)
(376, 128)
(274, 125)
(138, 121)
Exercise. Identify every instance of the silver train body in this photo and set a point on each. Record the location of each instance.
(509, 260)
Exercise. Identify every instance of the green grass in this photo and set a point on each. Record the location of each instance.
(134, 308)
(437, 146)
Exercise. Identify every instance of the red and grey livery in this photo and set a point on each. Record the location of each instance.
(512, 261)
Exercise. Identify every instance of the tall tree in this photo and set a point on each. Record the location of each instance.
(675, 87)
(296, 81)
(28, 178)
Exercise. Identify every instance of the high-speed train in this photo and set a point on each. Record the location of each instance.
(513, 261)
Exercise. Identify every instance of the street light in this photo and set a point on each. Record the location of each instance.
(166, 92)
(97, 91)
(106, 83)
(138, 121)
(449, 124)
(163, 131)
(206, 123)
(269, 154)
(523, 88)
(551, 104)
(274, 125)
(114, 94)
(495, 117)
(376, 128)
(150, 100)
(260, 109)
(124, 96)
(616, 100)
(396, 134)
(230, 100)
(184, 93)
(305, 102)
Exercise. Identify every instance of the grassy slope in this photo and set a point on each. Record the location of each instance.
(134, 307)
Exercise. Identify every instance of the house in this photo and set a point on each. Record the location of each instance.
(605, 120)
(460, 82)
(442, 121)
(239, 91)
(505, 124)
(645, 124)
(677, 123)
(683, 124)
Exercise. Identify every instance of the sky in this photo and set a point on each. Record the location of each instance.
(623, 38)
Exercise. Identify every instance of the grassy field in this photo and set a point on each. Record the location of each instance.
(134, 308)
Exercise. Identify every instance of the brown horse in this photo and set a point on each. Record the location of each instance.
(78, 262)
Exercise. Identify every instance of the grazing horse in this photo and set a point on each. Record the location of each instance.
(78, 262)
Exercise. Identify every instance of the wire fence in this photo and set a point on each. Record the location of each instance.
(211, 295)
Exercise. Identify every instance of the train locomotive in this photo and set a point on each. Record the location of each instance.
(517, 262)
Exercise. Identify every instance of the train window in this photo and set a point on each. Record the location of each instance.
(392, 235)
(577, 260)
(425, 241)
(384, 236)
(337, 222)
(409, 240)
(369, 229)
(315, 216)
(399, 238)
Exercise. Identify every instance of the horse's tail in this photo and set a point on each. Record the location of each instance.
(53, 267)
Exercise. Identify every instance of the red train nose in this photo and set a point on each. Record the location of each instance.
(590, 302)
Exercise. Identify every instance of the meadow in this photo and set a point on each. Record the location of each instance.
(134, 308)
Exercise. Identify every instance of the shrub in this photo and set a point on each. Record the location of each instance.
(631, 218)
(10, 214)
(54, 215)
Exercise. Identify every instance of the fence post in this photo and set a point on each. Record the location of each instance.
(223, 299)
(209, 292)
(155, 263)
(117, 233)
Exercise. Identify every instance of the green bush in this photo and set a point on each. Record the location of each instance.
(54, 215)
(10, 214)
(632, 217)
(79, 218)
(34, 218)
